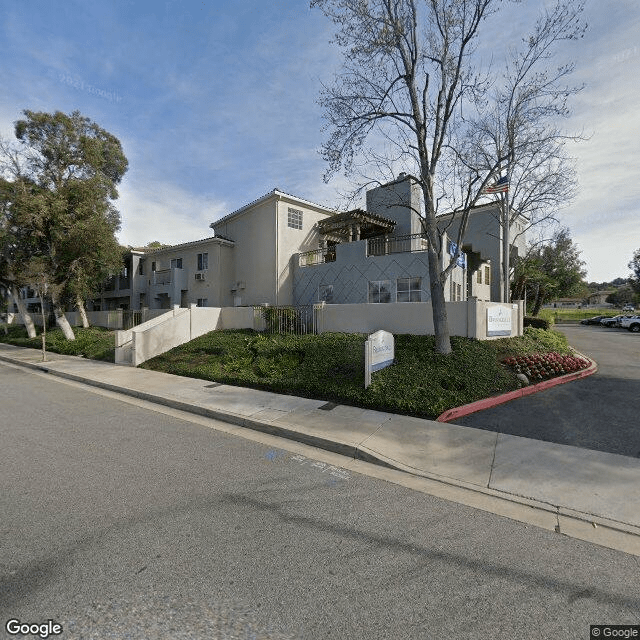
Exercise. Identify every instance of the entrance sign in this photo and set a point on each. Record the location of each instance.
(378, 353)
(499, 321)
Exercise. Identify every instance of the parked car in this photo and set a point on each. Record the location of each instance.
(628, 307)
(594, 320)
(632, 323)
(612, 322)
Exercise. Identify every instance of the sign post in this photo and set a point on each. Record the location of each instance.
(378, 353)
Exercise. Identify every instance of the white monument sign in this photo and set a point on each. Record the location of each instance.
(378, 353)
(499, 321)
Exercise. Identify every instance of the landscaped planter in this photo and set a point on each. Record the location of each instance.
(542, 366)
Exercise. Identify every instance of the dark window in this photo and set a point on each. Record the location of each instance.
(380, 291)
(409, 289)
(203, 261)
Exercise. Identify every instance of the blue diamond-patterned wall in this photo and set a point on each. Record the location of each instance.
(350, 277)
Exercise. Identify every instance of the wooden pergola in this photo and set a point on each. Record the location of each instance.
(351, 226)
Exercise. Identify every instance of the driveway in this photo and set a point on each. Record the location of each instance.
(601, 412)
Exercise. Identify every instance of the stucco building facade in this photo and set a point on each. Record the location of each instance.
(284, 250)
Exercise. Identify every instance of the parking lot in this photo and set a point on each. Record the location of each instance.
(601, 412)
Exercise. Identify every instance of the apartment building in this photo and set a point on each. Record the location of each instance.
(284, 250)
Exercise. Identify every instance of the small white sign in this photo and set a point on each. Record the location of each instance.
(378, 353)
(499, 321)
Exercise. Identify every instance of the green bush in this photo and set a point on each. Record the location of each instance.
(538, 323)
(95, 343)
(331, 367)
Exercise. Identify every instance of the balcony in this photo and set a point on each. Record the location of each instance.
(319, 256)
(384, 245)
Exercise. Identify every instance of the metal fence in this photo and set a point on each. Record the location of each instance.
(384, 245)
(297, 320)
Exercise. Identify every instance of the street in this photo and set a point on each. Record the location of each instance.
(122, 522)
(599, 412)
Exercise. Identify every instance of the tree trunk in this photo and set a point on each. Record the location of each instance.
(61, 319)
(83, 312)
(438, 304)
(538, 301)
(26, 316)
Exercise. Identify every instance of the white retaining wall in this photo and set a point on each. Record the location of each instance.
(468, 319)
(176, 327)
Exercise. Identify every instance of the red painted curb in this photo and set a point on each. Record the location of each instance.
(487, 403)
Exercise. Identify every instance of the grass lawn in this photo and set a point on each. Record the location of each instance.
(95, 343)
(331, 367)
(557, 315)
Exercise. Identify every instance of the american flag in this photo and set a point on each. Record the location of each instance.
(500, 186)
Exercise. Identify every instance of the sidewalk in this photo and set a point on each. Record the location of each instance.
(591, 495)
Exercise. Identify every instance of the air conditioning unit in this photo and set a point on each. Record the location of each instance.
(200, 276)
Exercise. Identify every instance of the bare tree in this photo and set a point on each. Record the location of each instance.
(521, 125)
(409, 76)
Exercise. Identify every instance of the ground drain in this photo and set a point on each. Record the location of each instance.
(328, 406)
(213, 386)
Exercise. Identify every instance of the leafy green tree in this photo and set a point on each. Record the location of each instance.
(71, 167)
(634, 265)
(621, 296)
(551, 270)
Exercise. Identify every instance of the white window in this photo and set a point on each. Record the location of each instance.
(176, 263)
(325, 293)
(380, 291)
(202, 302)
(294, 218)
(203, 261)
(409, 290)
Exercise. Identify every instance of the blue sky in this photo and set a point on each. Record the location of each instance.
(215, 105)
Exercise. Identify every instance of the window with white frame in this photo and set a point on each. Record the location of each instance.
(380, 291)
(479, 276)
(176, 263)
(294, 218)
(325, 293)
(203, 261)
(202, 302)
(487, 274)
(409, 290)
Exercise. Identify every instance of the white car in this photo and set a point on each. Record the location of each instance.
(628, 307)
(611, 322)
(632, 323)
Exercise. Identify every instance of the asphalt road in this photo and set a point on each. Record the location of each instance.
(601, 412)
(121, 522)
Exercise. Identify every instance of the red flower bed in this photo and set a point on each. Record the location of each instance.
(542, 366)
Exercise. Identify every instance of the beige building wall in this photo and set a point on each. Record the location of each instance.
(264, 246)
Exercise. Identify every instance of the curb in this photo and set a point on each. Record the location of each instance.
(579, 519)
(349, 450)
(488, 403)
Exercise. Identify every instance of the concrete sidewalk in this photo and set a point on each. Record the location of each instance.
(581, 488)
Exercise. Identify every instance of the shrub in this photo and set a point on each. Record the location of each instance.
(537, 323)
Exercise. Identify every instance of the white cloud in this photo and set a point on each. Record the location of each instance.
(162, 211)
